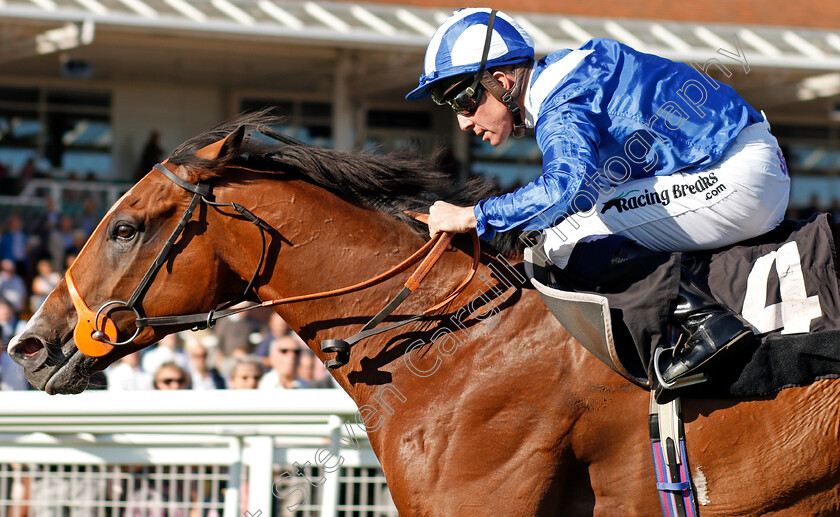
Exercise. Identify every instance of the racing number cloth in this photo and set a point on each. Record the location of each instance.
(783, 282)
(785, 285)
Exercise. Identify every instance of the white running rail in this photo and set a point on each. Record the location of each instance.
(82, 453)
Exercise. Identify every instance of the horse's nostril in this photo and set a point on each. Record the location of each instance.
(26, 348)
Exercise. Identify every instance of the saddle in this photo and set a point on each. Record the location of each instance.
(784, 283)
(586, 316)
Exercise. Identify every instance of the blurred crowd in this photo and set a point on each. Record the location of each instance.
(815, 206)
(257, 351)
(241, 352)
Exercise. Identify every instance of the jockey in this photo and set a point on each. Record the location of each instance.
(640, 155)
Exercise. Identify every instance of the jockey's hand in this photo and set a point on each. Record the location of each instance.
(446, 217)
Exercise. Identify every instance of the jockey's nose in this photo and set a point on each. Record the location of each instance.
(465, 123)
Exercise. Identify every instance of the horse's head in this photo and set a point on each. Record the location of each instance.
(125, 270)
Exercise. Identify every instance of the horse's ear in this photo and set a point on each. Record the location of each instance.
(224, 146)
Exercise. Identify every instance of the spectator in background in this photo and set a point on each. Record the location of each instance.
(12, 287)
(43, 284)
(203, 377)
(7, 183)
(170, 376)
(246, 373)
(127, 374)
(60, 242)
(835, 210)
(813, 207)
(45, 223)
(167, 350)
(150, 156)
(277, 327)
(89, 218)
(235, 331)
(11, 373)
(284, 355)
(238, 353)
(312, 371)
(51, 214)
(79, 239)
(27, 173)
(68, 261)
(14, 244)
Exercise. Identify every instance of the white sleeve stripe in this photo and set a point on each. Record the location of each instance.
(548, 80)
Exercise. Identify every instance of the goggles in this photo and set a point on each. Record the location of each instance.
(462, 96)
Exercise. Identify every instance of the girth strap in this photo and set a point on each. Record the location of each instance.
(673, 477)
(674, 487)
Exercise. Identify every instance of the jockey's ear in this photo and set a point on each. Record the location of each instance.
(223, 147)
(503, 79)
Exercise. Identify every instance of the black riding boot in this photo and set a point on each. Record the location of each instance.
(709, 325)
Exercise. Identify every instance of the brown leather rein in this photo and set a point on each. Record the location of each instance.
(432, 251)
(95, 332)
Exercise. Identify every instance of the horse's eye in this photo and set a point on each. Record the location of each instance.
(124, 231)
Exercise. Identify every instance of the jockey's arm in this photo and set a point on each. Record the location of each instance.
(569, 143)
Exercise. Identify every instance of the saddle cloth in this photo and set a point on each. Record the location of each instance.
(784, 283)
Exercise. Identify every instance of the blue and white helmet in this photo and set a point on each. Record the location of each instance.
(457, 46)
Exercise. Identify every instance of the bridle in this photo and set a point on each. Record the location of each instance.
(95, 333)
(103, 335)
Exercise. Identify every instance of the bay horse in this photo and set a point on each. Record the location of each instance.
(490, 408)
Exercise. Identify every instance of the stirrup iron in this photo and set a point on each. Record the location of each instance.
(679, 382)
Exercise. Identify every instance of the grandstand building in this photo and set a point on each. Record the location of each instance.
(83, 83)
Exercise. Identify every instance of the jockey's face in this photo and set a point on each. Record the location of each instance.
(492, 121)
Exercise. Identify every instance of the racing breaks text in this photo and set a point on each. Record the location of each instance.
(704, 183)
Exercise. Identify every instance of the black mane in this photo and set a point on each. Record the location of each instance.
(389, 183)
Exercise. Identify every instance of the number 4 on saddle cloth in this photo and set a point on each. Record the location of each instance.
(784, 283)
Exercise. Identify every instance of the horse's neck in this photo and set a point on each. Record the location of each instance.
(321, 243)
(324, 243)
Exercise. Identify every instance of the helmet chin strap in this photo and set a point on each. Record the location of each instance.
(508, 97)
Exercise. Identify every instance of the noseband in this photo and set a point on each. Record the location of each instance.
(96, 334)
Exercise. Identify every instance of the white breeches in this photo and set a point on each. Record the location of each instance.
(743, 195)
